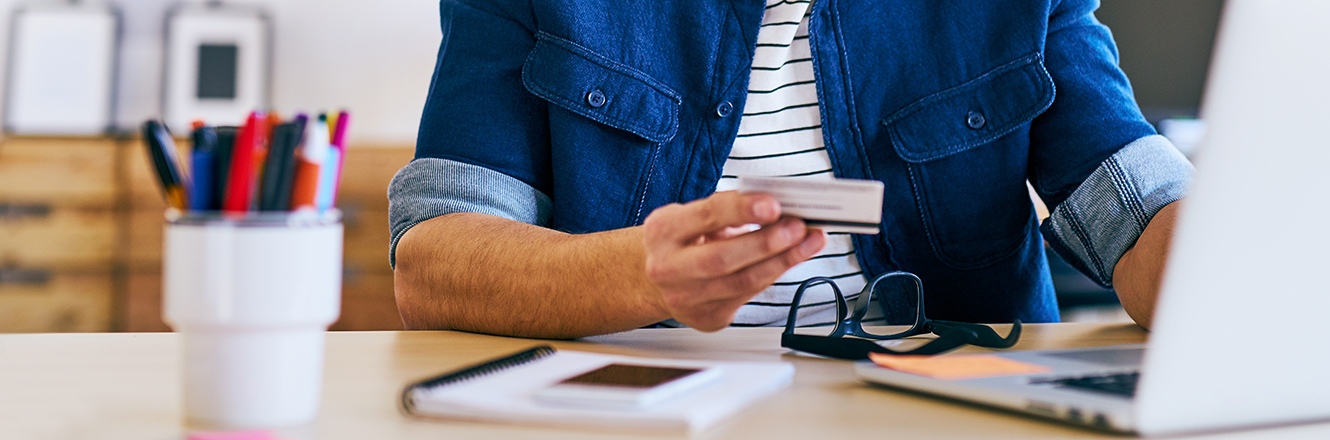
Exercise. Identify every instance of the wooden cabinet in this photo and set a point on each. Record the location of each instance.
(41, 301)
(81, 237)
(58, 235)
(67, 172)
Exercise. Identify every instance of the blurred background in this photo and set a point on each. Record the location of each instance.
(80, 217)
(374, 57)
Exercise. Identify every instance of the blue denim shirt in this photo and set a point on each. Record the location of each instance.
(585, 115)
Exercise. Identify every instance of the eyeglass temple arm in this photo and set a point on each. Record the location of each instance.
(982, 335)
(951, 335)
(839, 348)
(858, 349)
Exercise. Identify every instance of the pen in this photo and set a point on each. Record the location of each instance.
(328, 180)
(162, 149)
(280, 168)
(240, 182)
(226, 142)
(262, 143)
(332, 127)
(203, 195)
(339, 143)
(312, 157)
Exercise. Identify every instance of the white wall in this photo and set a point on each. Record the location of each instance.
(373, 57)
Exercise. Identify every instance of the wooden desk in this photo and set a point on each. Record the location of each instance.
(126, 386)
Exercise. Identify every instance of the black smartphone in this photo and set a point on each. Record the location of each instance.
(629, 385)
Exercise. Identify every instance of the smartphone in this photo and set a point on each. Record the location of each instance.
(627, 385)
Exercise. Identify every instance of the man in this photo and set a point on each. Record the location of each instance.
(574, 157)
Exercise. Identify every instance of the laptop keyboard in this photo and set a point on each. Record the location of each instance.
(1122, 384)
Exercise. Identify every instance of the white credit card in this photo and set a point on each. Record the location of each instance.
(840, 205)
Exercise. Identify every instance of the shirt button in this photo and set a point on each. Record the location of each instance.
(975, 120)
(724, 109)
(596, 99)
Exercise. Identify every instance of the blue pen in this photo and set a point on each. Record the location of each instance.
(202, 195)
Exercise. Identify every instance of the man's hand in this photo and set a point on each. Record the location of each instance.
(705, 261)
(696, 263)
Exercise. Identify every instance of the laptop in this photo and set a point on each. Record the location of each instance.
(1241, 333)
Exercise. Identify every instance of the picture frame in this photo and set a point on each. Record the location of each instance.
(62, 66)
(217, 63)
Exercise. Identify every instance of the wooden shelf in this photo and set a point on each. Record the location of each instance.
(81, 221)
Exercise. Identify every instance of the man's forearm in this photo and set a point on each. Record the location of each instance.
(1138, 274)
(479, 273)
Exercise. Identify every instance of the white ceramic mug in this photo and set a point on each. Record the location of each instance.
(252, 296)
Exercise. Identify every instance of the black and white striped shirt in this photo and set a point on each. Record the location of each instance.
(780, 134)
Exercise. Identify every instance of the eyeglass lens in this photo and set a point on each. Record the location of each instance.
(898, 297)
(815, 309)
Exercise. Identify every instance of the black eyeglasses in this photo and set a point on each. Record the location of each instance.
(950, 334)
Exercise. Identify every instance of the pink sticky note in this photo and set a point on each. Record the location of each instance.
(957, 367)
(238, 435)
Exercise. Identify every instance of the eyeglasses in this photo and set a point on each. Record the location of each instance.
(849, 340)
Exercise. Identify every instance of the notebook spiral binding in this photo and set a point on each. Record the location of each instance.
(474, 371)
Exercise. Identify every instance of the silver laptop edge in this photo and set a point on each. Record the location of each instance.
(1098, 411)
(1237, 338)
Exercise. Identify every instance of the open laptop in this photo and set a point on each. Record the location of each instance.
(1241, 334)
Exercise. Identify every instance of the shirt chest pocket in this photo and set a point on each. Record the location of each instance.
(608, 123)
(592, 86)
(967, 151)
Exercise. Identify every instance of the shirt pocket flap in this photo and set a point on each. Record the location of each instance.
(974, 113)
(583, 82)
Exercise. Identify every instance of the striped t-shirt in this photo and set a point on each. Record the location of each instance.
(780, 135)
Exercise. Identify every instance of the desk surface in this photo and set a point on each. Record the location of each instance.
(127, 386)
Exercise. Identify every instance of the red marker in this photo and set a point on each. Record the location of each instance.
(241, 182)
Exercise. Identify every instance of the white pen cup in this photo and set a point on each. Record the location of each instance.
(252, 296)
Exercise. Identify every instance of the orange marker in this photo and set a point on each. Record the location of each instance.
(313, 154)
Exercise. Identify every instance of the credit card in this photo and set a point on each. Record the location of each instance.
(839, 205)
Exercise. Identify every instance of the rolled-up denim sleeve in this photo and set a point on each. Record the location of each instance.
(483, 144)
(430, 187)
(1102, 219)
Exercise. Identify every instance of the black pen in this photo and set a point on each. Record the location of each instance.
(163, 151)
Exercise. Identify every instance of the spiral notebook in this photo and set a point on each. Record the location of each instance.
(502, 390)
